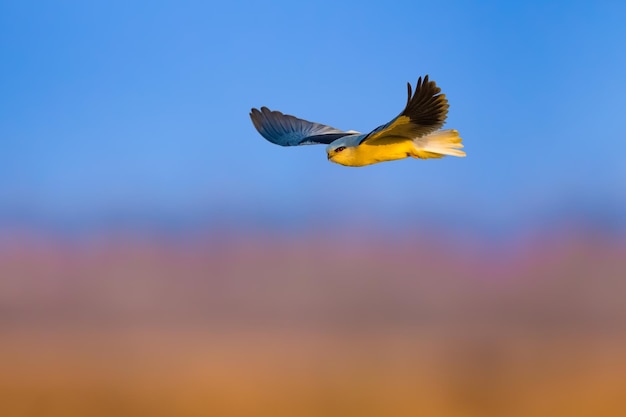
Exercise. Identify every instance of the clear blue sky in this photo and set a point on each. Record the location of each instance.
(140, 109)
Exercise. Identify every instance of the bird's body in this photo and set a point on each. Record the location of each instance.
(357, 154)
(413, 133)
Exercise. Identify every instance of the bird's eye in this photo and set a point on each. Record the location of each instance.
(339, 149)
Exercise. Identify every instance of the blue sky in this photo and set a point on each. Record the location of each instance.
(140, 110)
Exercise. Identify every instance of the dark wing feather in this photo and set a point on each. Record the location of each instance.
(285, 130)
(425, 112)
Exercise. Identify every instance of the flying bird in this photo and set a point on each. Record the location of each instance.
(413, 133)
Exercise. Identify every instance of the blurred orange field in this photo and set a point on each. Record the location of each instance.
(306, 328)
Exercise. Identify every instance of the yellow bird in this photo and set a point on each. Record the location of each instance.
(413, 133)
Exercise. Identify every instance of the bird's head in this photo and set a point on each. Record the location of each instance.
(340, 152)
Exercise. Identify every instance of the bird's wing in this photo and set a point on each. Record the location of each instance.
(425, 111)
(286, 130)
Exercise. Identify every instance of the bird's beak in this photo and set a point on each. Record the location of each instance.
(328, 156)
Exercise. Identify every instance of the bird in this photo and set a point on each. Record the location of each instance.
(415, 132)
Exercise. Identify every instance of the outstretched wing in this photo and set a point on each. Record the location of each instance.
(425, 112)
(286, 130)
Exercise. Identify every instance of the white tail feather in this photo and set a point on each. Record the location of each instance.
(438, 144)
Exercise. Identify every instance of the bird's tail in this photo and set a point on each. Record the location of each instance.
(438, 145)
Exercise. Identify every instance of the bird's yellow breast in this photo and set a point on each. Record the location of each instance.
(365, 154)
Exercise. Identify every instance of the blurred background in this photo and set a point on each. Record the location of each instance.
(159, 257)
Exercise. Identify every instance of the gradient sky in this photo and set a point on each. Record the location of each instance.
(115, 109)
